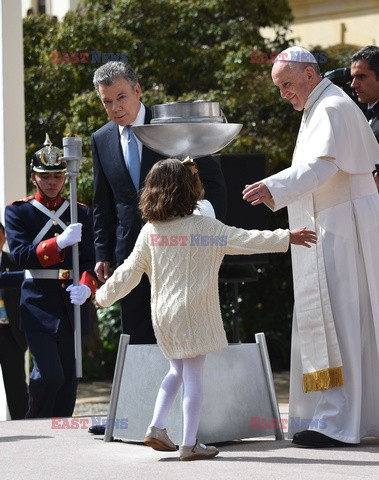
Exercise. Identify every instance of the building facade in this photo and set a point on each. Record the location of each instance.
(51, 7)
(327, 23)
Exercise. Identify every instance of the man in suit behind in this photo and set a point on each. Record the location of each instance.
(365, 72)
(12, 340)
(117, 218)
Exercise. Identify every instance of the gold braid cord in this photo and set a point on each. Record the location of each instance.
(323, 379)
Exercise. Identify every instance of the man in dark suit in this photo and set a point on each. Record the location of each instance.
(40, 237)
(12, 340)
(365, 72)
(117, 218)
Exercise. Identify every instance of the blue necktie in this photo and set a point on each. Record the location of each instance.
(132, 156)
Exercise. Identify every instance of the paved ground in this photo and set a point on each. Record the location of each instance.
(92, 398)
(50, 450)
(34, 450)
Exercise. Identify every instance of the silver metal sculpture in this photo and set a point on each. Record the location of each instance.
(187, 129)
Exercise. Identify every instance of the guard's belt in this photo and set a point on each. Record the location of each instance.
(45, 274)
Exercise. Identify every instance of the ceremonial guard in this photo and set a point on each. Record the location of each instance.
(40, 237)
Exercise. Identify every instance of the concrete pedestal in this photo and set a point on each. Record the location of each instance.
(239, 394)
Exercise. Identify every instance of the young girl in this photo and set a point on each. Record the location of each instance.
(181, 253)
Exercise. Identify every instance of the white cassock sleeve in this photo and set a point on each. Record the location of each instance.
(297, 180)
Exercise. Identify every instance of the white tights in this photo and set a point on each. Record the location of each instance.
(188, 371)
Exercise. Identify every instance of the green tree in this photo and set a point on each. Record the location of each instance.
(182, 50)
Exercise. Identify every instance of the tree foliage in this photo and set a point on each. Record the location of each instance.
(182, 50)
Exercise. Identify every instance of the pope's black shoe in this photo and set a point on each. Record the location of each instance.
(97, 429)
(313, 439)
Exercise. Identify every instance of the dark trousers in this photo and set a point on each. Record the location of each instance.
(12, 360)
(136, 314)
(53, 383)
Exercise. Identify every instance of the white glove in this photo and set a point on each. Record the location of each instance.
(72, 234)
(78, 293)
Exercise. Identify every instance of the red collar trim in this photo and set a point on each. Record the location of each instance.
(48, 203)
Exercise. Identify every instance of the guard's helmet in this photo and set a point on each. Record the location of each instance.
(48, 159)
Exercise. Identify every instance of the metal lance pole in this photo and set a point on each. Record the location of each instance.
(72, 155)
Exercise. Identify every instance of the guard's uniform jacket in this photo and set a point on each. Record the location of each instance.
(31, 234)
(46, 312)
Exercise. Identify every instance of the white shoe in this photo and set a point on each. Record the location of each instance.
(197, 452)
(158, 439)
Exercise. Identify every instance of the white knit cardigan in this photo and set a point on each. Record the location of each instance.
(182, 258)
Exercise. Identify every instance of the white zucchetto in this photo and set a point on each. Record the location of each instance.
(295, 54)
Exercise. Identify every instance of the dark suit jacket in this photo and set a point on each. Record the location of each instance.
(117, 219)
(374, 122)
(11, 297)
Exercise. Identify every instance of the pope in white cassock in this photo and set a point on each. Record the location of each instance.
(329, 188)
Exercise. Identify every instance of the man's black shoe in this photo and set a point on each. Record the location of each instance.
(313, 439)
(97, 429)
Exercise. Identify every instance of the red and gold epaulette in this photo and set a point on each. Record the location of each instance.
(82, 204)
(26, 199)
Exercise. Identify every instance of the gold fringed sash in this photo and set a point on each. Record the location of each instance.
(323, 379)
(319, 348)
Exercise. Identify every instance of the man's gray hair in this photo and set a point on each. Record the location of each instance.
(108, 73)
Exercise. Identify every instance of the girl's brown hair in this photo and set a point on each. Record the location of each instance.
(172, 189)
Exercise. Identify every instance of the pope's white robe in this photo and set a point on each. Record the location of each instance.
(329, 188)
